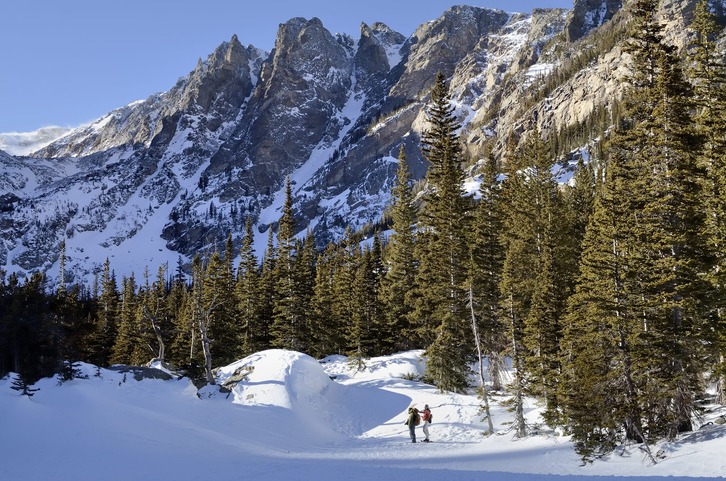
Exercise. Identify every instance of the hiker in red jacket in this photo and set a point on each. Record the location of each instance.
(426, 417)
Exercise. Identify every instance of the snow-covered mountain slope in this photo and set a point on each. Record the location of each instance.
(168, 177)
(25, 143)
(287, 419)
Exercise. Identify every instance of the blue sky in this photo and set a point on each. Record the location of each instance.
(69, 62)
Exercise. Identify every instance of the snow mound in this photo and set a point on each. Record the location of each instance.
(403, 365)
(277, 377)
(297, 382)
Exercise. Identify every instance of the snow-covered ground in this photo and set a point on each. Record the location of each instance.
(294, 418)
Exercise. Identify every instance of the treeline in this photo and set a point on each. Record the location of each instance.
(606, 294)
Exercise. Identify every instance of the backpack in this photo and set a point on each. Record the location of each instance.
(417, 418)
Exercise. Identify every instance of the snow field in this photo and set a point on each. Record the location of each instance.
(294, 418)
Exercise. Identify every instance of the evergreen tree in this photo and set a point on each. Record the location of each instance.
(202, 304)
(247, 292)
(69, 312)
(218, 301)
(128, 333)
(346, 305)
(268, 291)
(289, 317)
(445, 256)
(305, 267)
(184, 346)
(400, 264)
(373, 276)
(708, 76)
(366, 321)
(104, 332)
(326, 330)
(597, 378)
(640, 300)
(487, 258)
(142, 351)
(579, 199)
(542, 323)
(530, 298)
(156, 318)
(21, 384)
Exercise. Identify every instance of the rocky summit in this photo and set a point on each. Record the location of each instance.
(163, 179)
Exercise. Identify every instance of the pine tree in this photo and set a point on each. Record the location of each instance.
(202, 304)
(104, 332)
(218, 301)
(640, 300)
(373, 276)
(128, 333)
(69, 311)
(305, 274)
(142, 351)
(400, 264)
(598, 382)
(326, 330)
(367, 319)
(268, 292)
(184, 346)
(290, 309)
(21, 384)
(542, 324)
(487, 258)
(346, 305)
(247, 294)
(530, 298)
(708, 76)
(156, 318)
(444, 218)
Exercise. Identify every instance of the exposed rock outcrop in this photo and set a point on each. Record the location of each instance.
(171, 176)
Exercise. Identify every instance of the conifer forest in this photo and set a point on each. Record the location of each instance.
(605, 294)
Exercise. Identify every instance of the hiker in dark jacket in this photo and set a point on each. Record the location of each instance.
(413, 417)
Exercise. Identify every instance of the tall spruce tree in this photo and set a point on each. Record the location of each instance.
(400, 264)
(640, 299)
(487, 257)
(128, 332)
(531, 302)
(106, 322)
(347, 304)
(156, 317)
(219, 304)
(268, 290)
(289, 317)
(184, 346)
(708, 76)
(326, 329)
(305, 266)
(445, 255)
(247, 295)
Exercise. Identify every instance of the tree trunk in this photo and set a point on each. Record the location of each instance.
(482, 385)
(157, 332)
(203, 329)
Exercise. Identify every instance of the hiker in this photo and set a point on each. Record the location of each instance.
(426, 417)
(413, 419)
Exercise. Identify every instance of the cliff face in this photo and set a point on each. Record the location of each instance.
(165, 178)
